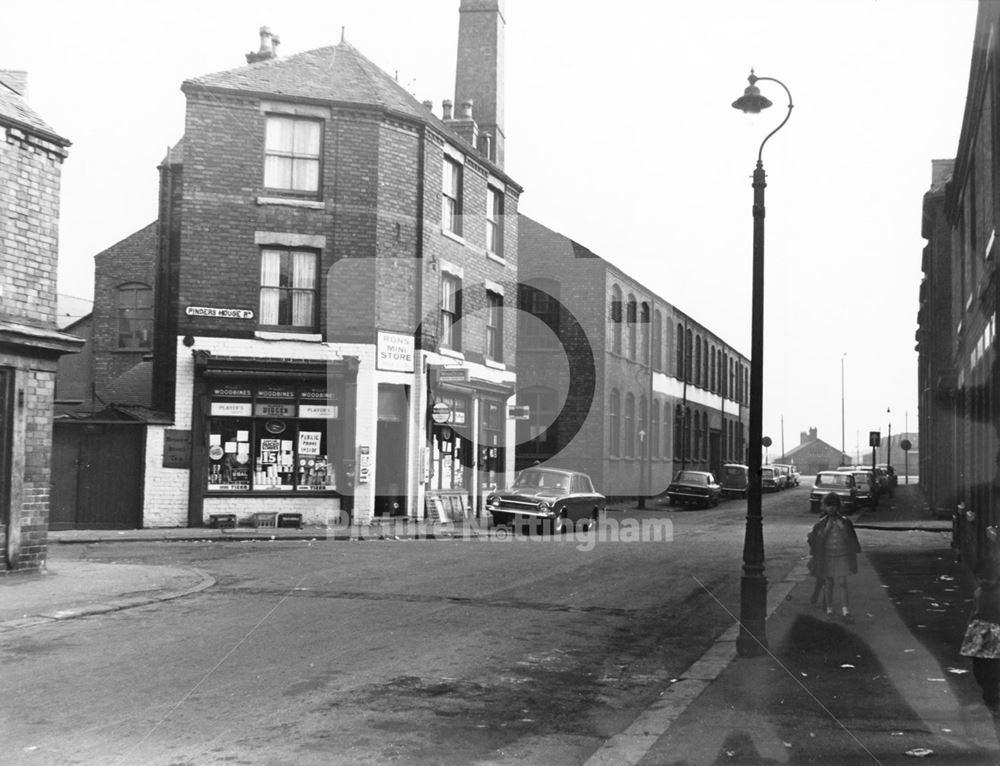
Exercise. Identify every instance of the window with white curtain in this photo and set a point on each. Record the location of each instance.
(288, 288)
(451, 196)
(291, 154)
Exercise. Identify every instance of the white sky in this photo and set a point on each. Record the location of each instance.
(620, 129)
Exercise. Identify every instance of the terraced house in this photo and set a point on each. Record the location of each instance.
(31, 157)
(335, 264)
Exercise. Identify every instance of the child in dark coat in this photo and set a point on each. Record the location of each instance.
(835, 547)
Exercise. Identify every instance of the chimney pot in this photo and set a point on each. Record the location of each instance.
(429, 105)
(446, 109)
(268, 47)
(466, 113)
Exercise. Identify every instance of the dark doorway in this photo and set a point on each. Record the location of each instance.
(390, 452)
(97, 475)
(715, 452)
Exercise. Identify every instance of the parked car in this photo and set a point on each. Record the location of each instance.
(783, 474)
(867, 493)
(693, 488)
(771, 480)
(841, 482)
(791, 474)
(547, 499)
(872, 476)
(891, 473)
(733, 479)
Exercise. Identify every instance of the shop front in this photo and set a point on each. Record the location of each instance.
(467, 442)
(272, 436)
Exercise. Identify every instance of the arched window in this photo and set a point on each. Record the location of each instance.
(704, 363)
(633, 327)
(711, 374)
(135, 316)
(654, 430)
(629, 425)
(679, 372)
(697, 360)
(657, 341)
(678, 432)
(616, 319)
(688, 435)
(614, 424)
(704, 436)
(646, 331)
(644, 427)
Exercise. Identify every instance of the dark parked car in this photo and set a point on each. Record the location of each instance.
(867, 492)
(733, 478)
(547, 499)
(891, 473)
(841, 482)
(694, 488)
(771, 479)
(791, 473)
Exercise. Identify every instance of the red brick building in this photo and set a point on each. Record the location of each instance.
(31, 157)
(335, 261)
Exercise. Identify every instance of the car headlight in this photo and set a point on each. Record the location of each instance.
(493, 500)
(543, 506)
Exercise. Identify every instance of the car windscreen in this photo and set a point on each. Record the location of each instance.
(834, 480)
(692, 477)
(542, 479)
(733, 472)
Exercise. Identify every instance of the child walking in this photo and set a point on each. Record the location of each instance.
(835, 548)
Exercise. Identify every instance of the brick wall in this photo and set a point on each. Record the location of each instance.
(30, 169)
(131, 261)
(29, 196)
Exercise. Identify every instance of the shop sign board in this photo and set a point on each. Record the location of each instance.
(395, 351)
(223, 313)
(440, 412)
(176, 448)
(274, 410)
(326, 411)
(519, 412)
(453, 375)
(232, 409)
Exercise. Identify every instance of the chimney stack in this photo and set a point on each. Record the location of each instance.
(268, 47)
(479, 76)
(446, 109)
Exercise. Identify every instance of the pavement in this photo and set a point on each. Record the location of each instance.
(889, 688)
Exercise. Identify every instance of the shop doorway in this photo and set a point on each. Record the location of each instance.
(390, 452)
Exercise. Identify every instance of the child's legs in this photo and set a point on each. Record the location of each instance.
(987, 674)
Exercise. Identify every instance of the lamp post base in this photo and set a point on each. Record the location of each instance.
(752, 640)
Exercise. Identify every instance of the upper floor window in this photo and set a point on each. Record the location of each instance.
(614, 424)
(629, 425)
(680, 351)
(288, 288)
(540, 427)
(135, 316)
(451, 196)
(616, 319)
(633, 327)
(494, 220)
(657, 341)
(291, 154)
(494, 326)
(451, 311)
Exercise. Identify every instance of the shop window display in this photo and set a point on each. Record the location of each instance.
(272, 439)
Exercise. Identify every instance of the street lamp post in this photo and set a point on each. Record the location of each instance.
(752, 640)
(842, 445)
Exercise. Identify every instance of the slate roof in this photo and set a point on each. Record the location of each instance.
(338, 73)
(14, 109)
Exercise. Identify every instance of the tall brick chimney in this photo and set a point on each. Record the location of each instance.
(479, 76)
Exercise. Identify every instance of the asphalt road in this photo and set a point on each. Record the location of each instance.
(525, 650)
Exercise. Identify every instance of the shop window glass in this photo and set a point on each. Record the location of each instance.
(272, 438)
